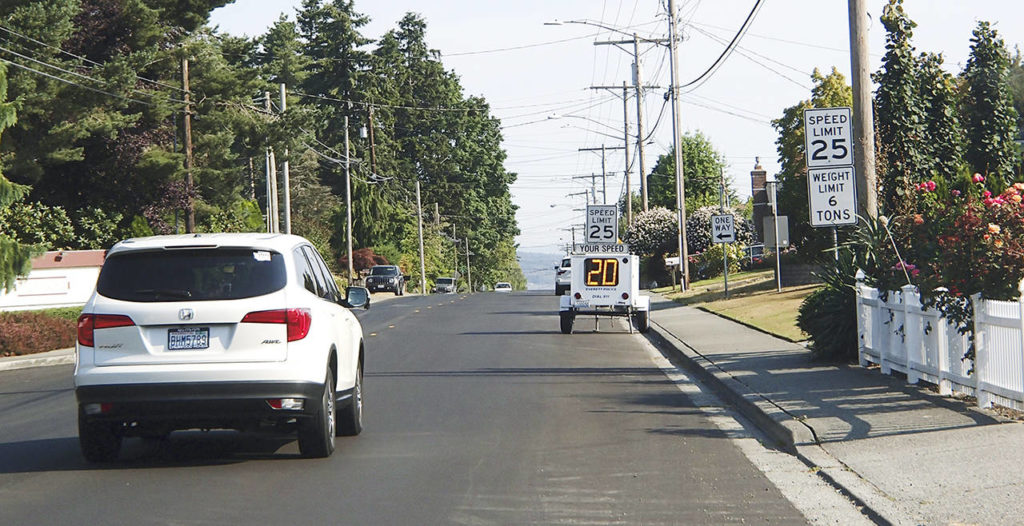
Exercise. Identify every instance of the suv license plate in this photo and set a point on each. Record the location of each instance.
(188, 338)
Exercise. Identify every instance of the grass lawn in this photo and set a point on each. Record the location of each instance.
(753, 300)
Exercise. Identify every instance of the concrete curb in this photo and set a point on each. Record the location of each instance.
(57, 357)
(780, 426)
(788, 433)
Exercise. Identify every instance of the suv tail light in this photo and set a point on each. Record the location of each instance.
(298, 320)
(87, 323)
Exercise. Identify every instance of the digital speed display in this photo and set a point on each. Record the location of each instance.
(601, 272)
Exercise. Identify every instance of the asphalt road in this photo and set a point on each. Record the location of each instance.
(478, 411)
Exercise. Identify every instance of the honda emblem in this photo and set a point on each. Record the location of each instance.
(186, 314)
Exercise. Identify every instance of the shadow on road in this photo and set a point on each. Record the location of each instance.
(181, 449)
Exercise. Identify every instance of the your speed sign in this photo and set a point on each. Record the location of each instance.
(828, 133)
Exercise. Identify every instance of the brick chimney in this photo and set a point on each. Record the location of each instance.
(759, 193)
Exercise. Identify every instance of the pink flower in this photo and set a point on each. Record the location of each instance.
(978, 178)
(930, 185)
(956, 193)
(986, 194)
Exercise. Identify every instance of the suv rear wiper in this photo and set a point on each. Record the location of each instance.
(173, 293)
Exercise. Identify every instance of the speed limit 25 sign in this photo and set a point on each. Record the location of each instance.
(828, 133)
(602, 224)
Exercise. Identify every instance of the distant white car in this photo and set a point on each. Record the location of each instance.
(502, 286)
(218, 331)
(563, 277)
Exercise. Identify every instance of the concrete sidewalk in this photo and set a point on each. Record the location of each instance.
(906, 454)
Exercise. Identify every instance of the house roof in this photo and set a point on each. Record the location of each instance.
(69, 259)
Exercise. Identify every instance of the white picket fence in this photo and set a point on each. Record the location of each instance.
(898, 335)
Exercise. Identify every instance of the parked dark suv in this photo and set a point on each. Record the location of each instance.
(386, 277)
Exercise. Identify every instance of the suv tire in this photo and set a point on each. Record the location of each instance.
(100, 441)
(316, 436)
(350, 419)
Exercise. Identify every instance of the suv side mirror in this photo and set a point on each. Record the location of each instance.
(557, 267)
(357, 297)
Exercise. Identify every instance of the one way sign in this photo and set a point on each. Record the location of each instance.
(722, 229)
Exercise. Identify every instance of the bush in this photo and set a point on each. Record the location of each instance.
(829, 314)
(708, 264)
(33, 332)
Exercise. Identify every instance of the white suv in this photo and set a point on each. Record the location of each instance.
(233, 331)
(563, 277)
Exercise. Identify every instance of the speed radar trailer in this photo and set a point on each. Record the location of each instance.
(605, 285)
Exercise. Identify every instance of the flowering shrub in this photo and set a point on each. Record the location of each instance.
(967, 241)
(958, 240)
(32, 332)
(653, 232)
(698, 229)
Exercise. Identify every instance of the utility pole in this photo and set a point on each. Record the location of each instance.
(419, 214)
(638, 88)
(604, 172)
(284, 173)
(625, 145)
(273, 218)
(684, 268)
(863, 119)
(190, 208)
(373, 147)
(469, 274)
(348, 207)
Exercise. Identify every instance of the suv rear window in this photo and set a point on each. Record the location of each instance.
(192, 274)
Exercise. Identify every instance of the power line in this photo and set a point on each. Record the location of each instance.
(79, 75)
(86, 60)
(727, 51)
(378, 105)
(54, 77)
(744, 52)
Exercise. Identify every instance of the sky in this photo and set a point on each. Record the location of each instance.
(535, 62)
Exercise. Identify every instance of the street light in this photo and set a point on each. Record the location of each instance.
(557, 22)
(555, 117)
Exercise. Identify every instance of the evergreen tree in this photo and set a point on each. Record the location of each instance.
(988, 109)
(15, 258)
(900, 115)
(944, 148)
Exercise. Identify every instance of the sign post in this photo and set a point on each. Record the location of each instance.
(723, 230)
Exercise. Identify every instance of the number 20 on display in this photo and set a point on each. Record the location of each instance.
(602, 272)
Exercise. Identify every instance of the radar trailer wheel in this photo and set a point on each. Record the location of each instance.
(641, 321)
(566, 318)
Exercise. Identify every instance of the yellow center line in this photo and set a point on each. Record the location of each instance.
(391, 326)
(373, 334)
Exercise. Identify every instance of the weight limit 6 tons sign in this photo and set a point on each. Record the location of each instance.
(831, 182)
